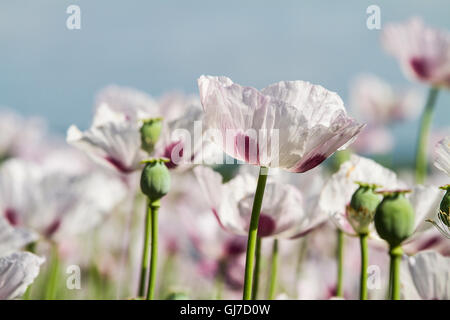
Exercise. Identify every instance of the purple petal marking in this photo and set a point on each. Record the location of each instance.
(168, 153)
(12, 216)
(247, 148)
(420, 67)
(52, 228)
(118, 165)
(311, 163)
(266, 225)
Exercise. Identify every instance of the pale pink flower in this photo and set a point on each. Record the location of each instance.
(376, 102)
(423, 52)
(282, 213)
(293, 125)
(374, 140)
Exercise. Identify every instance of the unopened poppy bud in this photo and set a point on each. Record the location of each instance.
(150, 132)
(362, 207)
(155, 179)
(394, 218)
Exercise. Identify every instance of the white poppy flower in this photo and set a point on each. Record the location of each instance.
(442, 159)
(291, 125)
(423, 52)
(13, 239)
(54, 203)
(375, 101)
(112, 141)
(135, 105)
(282, 213)
(17, 271)
(426, 276)
(338, 191)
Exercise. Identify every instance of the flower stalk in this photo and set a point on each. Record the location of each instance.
(253, 232)
(154, 208)
(274, 270)
(145, 252)
(340, 264)
(422, 141)
(364, 264)
(257, 270)
(394, 279)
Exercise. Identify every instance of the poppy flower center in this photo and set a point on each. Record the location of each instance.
(266, 225)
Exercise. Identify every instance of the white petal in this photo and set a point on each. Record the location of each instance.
(17, 271)
(13, 239)
(430, 274)
(425, 201)
(442, 160)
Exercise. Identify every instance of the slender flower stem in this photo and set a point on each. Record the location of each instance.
(422, 141)
(52, 282)
(274, 270)
(340, 264)
(154, 207)
(253, 231)
(145, 252)
(396, 258)
(257, 269)
(364, 264)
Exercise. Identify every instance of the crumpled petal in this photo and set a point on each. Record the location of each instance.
(13, 239)
(17, 271)
(292, 125)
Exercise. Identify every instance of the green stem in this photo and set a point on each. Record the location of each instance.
(257, 269)
(52, 282)
(252, 233)
(421, 151)
(340, 264)
(154, 207)
(274, 270)
(364, 264)
(145, 252)
(396, 258)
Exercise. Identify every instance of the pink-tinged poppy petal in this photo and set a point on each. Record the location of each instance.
(115, 145)
(423, 52)
(292, 125)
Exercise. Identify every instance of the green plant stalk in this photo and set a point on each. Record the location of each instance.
(340, 263)
(257, 269)
(422, 141)
(274, 270)
(145, 252)
(52, 282)
(252, 234)
(364, 265)
(154, 208)
(394, 285)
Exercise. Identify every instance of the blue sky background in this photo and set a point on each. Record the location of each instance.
(156, 46)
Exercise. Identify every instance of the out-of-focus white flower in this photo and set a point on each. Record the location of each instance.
(56, 204)
(112, 141)
(282, 213)
(179, 141)
(375, 101)
(426, 276)
(338, 192)
(374, 140)
(135, 105)
(20, 137)
(423, 52)
(442, 158)
(17, 269)
(293, 125)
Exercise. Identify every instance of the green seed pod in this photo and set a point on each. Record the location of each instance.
(150, 132)
(362, 207)
(155, 179)
(394, 218)
(444, 209)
